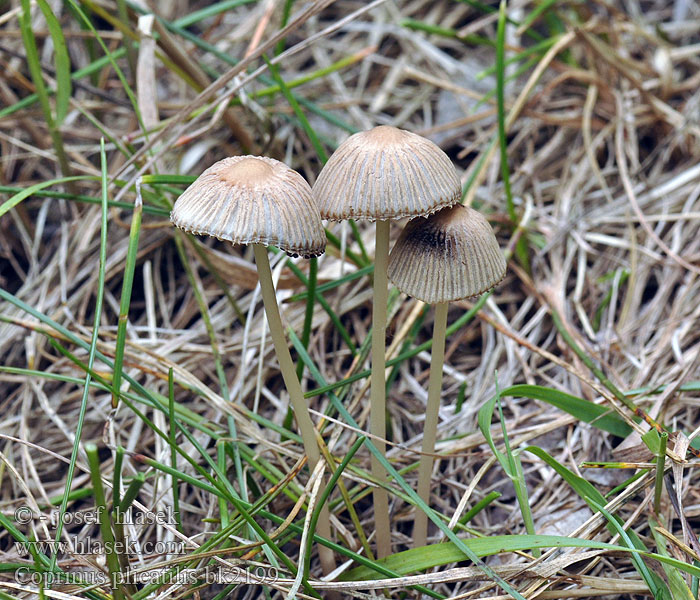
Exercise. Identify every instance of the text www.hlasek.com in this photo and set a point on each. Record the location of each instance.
(87, 545)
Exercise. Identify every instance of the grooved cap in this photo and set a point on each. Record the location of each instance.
(448, 256)
(386, 173)
(253, 200)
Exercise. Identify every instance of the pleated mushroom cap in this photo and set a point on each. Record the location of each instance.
(253, 200)
(386, 173)
(448, 256)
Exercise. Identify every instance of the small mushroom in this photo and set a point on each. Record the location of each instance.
(378, 175)
(451, 255)
(260, 201)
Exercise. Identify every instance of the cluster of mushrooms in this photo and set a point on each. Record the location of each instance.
(447, 252)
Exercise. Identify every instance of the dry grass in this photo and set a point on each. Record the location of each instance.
(603, 147)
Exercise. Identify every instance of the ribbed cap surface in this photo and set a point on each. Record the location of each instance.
(253, 199)
(448, 256)
(386, 173)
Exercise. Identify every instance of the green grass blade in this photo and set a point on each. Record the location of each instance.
(125, 302)
(61, 62)
(92, 351)
(117, 475)
(484, 418)
(521, 246)
(487, 9)
(43, 193)
(501, 105)
(223, 286)
(510, 461)
(132, 491)
(286, 12)
(582, 487)
(643, 570)
(330, 285)
(41, 91)
(479, 506)
(221, 458)
(625, 484)
(540, 8)
(26, 192)
(186, 477)
(112, 61)
(514, 469)
(660, 464)
(598, 416)
(326, 493)
(309, 312)
(359, 261)
(161, 179)
(172, 439)
(470, 38)
(617, 283)
(299, 81)
(591, 496)
(210, 11)
(678, 587)
(437, 555)
(609, 385)
(526, 66)
(103, 513)
(538, 49)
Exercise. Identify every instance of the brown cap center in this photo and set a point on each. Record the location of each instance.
(249, 171)
(386, 135)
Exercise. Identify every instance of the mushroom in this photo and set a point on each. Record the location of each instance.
(449, 256)
(260, 201)
(378, 175)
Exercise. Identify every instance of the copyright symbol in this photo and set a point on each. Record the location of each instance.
(23, 515)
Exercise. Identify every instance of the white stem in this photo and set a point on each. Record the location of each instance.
(291, 382)
(378, 387)
(425, 464)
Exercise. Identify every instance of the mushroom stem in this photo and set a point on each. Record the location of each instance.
(378, 387)
(425, 464)
(291, 382)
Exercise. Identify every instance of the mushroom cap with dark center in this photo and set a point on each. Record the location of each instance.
(386, 173)
(253, 200)
(450, 255)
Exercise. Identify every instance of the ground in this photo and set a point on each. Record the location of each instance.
(574, 128)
